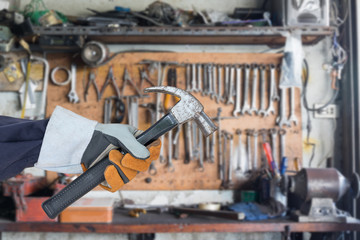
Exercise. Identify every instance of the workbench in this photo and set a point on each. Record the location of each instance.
(166, 223)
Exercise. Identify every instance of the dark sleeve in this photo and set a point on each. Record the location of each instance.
(20, 144)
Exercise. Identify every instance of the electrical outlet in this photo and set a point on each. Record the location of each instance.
(331, 111)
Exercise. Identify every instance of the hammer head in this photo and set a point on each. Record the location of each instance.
(188, 108)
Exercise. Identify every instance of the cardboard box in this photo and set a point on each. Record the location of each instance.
(86, 210)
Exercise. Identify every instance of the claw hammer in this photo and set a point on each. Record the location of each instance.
(188, 108)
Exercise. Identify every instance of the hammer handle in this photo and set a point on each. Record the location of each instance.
(95, 175)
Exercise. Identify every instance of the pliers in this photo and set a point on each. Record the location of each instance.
(144, 76)
(110, 79)
(127, 78)
(92, 77)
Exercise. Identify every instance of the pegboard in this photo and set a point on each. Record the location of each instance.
(185, 176)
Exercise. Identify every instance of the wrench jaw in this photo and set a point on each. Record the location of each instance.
(73, 97)
(262, 113)
(246, 109)
(293, 119)
(281, 121)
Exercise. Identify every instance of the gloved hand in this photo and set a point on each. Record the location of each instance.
(72, 142)
(112, 136)
(129, 166)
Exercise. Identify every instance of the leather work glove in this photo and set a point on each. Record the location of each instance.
(73, 143)
(129, 166)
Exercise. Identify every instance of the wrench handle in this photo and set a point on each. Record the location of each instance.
(95, 175)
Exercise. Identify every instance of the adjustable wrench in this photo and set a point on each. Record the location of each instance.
(246, 106)
(237, 107)
(199, 77)
(193, 78)
(282, 133)
(254, 89)
(273, 133)
(262, 110)
(282, 119)
(72, 95)
(219, 83)
(292, 117)
(226, 84)
(230, 99)
(239, 151)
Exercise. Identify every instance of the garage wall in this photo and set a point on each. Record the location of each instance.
(319, 79)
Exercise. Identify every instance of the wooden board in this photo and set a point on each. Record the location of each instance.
(185, 176)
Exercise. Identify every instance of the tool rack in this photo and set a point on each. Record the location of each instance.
(185, 176)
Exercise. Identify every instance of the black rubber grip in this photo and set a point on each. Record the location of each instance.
(95, 175)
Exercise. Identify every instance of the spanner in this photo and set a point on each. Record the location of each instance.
(262, 111)
(212, 148)
(213, 78)
(72, 95)
(273, 134)
(237, 107)
(170, 164)
(239, 151)
(226, 84)
(175, 143)
(255, 70)
(230, 99)
(193, 78)
(263, 132)
(255, 159)
(246, 106)
(195, 141)
(292, 117)
(282, 133)
(249, 132)
(210, 80)
(230, 162)
(205, 80)
(199, 77)
(207, 149)
(201, 152)
(219, 83)
(220, 160)
(224, 155)
(274, 87)
(188, 77)
(282, 119)
(188, 144)
(271, 108)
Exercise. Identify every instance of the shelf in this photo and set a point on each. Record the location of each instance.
(164, 222)
(187, 35)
